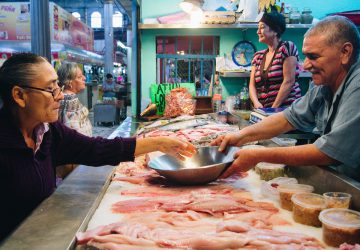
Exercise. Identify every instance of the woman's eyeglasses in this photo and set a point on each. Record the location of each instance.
(54, 92)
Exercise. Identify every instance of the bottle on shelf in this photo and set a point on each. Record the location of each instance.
(222, 114)
(282, 8)
(244, 99)
(217, 96)
(294, 16)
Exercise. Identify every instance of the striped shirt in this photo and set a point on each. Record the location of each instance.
(268, 81)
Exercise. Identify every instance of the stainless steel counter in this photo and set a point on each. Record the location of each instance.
(54, 223)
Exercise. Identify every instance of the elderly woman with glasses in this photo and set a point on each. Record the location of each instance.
(33, 141)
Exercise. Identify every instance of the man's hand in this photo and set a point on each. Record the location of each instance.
(245, 159)
(227, 140)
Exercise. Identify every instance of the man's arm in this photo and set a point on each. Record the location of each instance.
(269, 127)
(304, 155)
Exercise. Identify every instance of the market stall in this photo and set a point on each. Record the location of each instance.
(96, 197)
(71, 40)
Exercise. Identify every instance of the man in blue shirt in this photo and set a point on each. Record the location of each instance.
(331, 50)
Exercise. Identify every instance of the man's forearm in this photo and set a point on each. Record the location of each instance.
(303, 155)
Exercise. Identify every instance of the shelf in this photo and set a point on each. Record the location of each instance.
(302, 74)
(143, 26)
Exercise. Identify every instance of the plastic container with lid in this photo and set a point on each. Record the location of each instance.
(269, 171)
(287, 190)
(270, 188)
(337, 200)
(340, 225)
(307, 207)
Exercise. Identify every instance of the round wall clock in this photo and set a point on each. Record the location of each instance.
(243, 53)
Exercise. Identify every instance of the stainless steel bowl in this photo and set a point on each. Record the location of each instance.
(203, 167)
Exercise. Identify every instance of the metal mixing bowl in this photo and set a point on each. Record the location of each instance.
(203, 167)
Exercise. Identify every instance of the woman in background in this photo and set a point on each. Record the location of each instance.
(109, 86)
(274, 70)
(72, 112)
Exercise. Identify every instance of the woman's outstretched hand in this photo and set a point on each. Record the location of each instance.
(167, 145)
(176, 147)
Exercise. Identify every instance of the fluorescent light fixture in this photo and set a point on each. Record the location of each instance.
(190, 6)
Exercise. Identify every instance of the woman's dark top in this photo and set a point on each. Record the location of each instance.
(26, 179)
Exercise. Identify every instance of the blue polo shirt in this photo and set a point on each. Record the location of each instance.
(312, 112)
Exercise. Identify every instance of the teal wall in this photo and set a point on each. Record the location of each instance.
(228, 37)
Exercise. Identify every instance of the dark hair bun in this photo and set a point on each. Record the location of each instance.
(274, 20)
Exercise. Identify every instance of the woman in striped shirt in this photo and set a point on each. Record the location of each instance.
(274, 72)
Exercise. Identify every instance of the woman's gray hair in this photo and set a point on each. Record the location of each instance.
(67, 73)
(338, 30)
(19, 70)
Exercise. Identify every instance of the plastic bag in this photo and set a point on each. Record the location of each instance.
(179, 102)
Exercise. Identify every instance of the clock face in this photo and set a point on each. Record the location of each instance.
(243, 53)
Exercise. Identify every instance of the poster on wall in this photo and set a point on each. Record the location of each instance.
(67, 29)
(15, 21)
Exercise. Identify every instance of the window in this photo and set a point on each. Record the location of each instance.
(187, 59)
(77, 15)
(117, 20)
(96, 20)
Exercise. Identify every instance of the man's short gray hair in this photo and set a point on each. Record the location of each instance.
(338, 30)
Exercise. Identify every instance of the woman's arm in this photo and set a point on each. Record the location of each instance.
(289, 70)
(252, 90)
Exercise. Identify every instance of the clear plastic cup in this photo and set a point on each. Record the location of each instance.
(287, 190)
(340, 225)
(307, 207)
(337, 200)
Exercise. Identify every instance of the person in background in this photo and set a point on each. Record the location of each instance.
(72, 113)
(274, 71)
(33, 141)
(109, 86)
(331, 50)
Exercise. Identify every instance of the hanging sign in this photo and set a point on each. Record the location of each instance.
(159, 91)
(15, 21)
